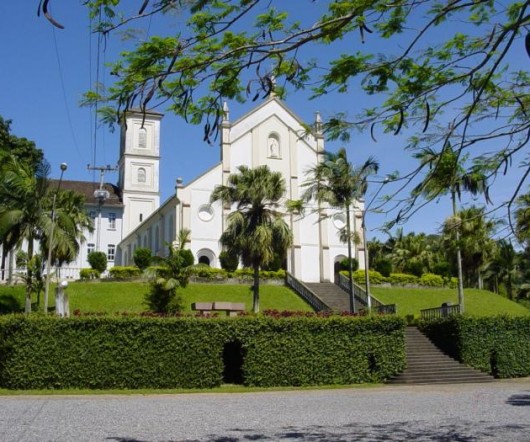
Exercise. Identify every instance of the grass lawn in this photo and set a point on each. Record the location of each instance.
(477, 302)
(113, 297)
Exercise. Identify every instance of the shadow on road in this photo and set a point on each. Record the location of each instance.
(519, 400)
(459, 431)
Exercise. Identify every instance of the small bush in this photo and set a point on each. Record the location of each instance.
(358, 276)
(402, 279)
(228, 262)
(345, 264)
(431, 280)
(121, 272)
(85, 274)
(98, 261)
(383, 266)
(187, 257)
(142, 257)
(205, 271)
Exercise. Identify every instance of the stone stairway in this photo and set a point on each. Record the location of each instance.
(332, 295)
(426, 364)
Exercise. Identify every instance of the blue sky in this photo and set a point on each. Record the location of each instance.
(45, 71)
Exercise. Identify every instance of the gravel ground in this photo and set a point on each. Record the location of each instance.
(471, 412)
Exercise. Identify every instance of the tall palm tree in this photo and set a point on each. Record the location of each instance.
(447, 175)
(337, 182)
(503, 266)
(256, 230)
(23, 214)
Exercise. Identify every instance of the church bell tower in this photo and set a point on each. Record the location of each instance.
(139, 166)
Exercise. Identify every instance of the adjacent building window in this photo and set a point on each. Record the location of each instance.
(112, 221)
(142, 177)
(90, 247)
(142, 138)
(111, 252)
(141, 217)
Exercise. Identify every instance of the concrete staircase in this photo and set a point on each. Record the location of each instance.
(332, 295)
(426, 364)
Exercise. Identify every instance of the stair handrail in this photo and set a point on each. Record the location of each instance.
(360, 294)
(440, 312)
(306, 293)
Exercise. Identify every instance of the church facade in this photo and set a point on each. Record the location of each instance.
(270, 134)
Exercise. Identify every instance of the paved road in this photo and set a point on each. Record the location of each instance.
(465, 413)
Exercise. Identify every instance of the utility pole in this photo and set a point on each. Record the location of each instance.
(101, 195)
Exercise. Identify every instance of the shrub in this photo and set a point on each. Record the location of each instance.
(205, 271)
(359, 278)
(345, 264)
(89, 274)
(98, 261)
(121, 272)
(414, 268)
(228, 262)
(383, 266)
(431, 280)
(402, 279)
(497, 345)
(187, 257)
(132, 352)
(142, 257)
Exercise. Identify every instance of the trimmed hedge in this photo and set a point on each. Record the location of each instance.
(134, 352)
(124, 272)
(497, 345)
(87, 273)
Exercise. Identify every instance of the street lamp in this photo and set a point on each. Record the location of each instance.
(63, 166)
(365, 244)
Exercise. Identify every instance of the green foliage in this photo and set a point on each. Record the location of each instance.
(229, 262)
(98, 261)
(402, 279)
(142, 257)
(345, 264)
(122, 272)
(128, 352)
(359, 277)
(383, 266)
(85, 274)
(205, 271)
(496, 345)
(187, 257)
(431, 280)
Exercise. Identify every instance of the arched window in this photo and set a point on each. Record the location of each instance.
(142, 177)
(142, 138)
(206, 256)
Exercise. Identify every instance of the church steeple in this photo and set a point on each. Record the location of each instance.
(139, 166)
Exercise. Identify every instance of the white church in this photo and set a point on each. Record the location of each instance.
(129, 215)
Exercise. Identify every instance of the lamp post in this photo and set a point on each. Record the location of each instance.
(365, 244)
(63, 166)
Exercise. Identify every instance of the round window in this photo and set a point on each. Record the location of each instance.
(206, 212)
(339, 220)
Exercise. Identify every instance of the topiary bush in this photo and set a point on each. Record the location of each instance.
(431, 280)
(98, 261)
(345, 264)
(359, 276)
(86, 274)
(142, 257)
(132, 352)
(402, 279)
(497, 345)
(122, 272)
(228, 262)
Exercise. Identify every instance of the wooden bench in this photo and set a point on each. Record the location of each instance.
(206, 308)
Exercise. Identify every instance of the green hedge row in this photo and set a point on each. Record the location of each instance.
(403, 279)
(132, 352)
(497, 345)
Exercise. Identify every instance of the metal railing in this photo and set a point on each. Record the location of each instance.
(358, 292)
(306, 293)
(440, 312)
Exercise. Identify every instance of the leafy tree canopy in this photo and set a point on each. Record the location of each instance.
(21, 148)
(443, 71)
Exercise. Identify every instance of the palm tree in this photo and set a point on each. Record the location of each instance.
(23, 214)
(256, 230)
(522, 218)
(503, 266)
(337, 182)
(447, 175)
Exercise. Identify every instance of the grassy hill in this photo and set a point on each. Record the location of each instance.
(113, 297)
(477, 302)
